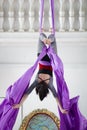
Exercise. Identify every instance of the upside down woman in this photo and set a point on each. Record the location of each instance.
(49, 62)
(44, 78)
(70, 116)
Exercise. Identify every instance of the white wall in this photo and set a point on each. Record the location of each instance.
(18, 53)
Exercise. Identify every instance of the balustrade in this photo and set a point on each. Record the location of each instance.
(26, 21)
(24, 15)
(82, 15)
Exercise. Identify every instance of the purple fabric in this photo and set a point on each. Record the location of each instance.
(74, 120)
(52, 13)
(71, 121)
(14, 94)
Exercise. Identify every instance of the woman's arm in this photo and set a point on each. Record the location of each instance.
(60, 106)
(51, 87)
(27, 92)
(57, 99)
(21, 102)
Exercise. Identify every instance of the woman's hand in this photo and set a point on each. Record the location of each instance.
(63, 111)
(21, 102)
(16, 106)
(60, 107)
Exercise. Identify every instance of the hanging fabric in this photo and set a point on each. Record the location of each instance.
(14, 94)
(52, 14)
(73, 120)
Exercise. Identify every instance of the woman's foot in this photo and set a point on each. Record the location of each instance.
(16, 106)
(63, 111)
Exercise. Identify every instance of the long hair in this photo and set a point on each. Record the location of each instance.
(42, 89)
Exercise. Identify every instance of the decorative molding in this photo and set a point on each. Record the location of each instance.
(21, 38)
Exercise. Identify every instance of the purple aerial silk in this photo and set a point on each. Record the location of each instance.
(71, 121)
(52, 14)
(14, 94)
(74, 120)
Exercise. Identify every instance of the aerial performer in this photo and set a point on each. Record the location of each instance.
(49, 62)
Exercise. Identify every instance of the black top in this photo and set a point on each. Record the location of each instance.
(45, 71)
(45, 58)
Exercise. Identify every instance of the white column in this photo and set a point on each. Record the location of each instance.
(6, 25)
(1, 16)
(82, 16)
(16, 15)
(36, 15)
(21, 15)
(11, 15)
(26, 23)
(62, 15)
(31, 15)
(46, 23)
(71, 15)
(40, 16)
(56, 14)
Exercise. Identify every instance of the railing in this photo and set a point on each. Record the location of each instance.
(23, 15)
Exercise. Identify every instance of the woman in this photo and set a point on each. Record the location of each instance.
(19, 91)
(44, 78)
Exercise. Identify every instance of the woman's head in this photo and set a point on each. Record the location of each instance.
(42, 90)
